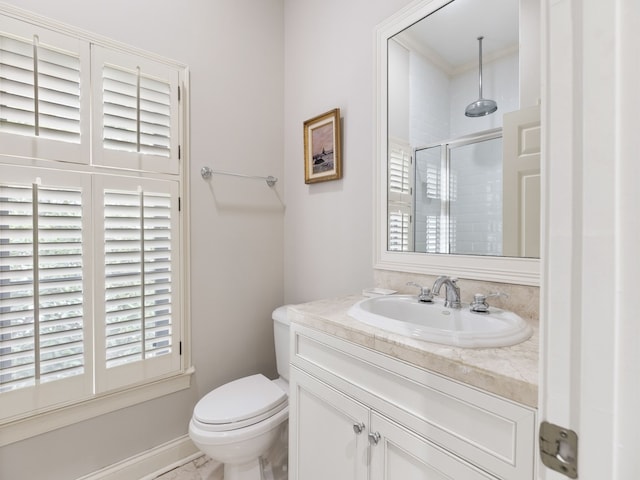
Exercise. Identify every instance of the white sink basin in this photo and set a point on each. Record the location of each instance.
(405, 315)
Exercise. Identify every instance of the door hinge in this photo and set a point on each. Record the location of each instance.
(179, 204)
(559, 449)
(179, 152)
(179, 95)
(180, 348)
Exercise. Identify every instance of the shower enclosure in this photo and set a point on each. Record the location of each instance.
(457, 205)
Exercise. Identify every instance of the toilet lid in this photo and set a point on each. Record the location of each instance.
(240, 403)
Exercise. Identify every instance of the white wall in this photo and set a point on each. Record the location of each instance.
(234, 49)
(329, 62)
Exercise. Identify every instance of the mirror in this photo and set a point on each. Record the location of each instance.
(458, 192)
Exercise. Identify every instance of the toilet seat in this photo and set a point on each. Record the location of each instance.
(240, 403)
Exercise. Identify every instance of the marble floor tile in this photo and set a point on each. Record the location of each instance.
(274, 464)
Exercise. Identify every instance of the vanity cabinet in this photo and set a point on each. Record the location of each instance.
(356, 413)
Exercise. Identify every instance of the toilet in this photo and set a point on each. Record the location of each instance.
(238, 422)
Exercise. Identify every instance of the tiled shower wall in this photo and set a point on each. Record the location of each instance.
(438, 115)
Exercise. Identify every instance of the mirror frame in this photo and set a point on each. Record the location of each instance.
(520, 271)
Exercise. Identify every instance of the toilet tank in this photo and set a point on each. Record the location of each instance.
(281, 338)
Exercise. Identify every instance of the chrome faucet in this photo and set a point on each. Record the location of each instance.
(452, 293)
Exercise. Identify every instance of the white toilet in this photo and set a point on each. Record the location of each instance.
(237, 423)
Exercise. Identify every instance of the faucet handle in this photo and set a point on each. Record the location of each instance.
(425, 293)
(480, 305)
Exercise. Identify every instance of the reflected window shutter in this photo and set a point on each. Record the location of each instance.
(41, 285)
(140, 319)
(400, 197)
(399, 228)
(399, 172)
(432, 234)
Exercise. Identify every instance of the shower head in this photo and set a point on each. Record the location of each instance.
(482, 106)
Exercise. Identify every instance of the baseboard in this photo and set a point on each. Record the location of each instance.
(148, 465)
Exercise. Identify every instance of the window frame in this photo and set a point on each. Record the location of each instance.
(45, 419)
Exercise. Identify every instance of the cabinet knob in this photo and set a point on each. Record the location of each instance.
(358, 428)
(374, 437)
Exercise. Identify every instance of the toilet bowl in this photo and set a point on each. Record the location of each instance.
(238, 422)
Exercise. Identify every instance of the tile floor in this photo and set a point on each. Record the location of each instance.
(203, 468)
(274, 464)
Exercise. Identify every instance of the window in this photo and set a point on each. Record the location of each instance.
(91, 276)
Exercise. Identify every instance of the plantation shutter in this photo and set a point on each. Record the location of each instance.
(400, 197)
(44, 93)
(136, 116)
(90, 273)
(432, 234)
(400, 189)
(429, 215)
(140, 326)
(399, 219)
(44, 338)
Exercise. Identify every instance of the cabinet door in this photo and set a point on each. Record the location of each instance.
(400, 454)
(323, 443)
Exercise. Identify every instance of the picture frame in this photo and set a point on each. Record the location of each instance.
(322, 148)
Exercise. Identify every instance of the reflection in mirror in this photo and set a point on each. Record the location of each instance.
(447, 171)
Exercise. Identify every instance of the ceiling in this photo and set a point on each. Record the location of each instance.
(451, 32)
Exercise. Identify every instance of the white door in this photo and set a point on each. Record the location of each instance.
(590, 368)
(327, 432)
(521, 183)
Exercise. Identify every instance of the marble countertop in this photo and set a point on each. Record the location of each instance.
(511, 372)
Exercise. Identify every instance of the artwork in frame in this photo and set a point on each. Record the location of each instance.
(322, 155)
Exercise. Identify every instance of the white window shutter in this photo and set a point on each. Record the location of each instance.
(45, 339)
(44, 93)
(90, 263)
(400, 197)
(400, 175)
(139, 330)
(399, 219)
(136, 112)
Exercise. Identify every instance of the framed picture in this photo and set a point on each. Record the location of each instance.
(322, 156)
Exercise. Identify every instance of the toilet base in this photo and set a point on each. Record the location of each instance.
(246, 471)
